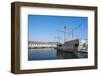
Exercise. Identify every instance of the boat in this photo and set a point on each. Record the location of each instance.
(69, 46)
(73, 45)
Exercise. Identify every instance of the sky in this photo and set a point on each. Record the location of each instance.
(48, 28)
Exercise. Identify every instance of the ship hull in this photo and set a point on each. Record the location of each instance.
(69, 46)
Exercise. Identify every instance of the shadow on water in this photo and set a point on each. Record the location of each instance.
(51, 53)
(71, 55)
(66, 55)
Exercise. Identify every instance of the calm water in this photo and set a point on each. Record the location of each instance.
(51, 53)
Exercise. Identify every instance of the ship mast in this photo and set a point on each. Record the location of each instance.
(58, 38)
(64, 33)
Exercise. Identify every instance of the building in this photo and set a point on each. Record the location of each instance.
(83, 45)
(36, 44)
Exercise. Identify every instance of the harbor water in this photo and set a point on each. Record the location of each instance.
(51, 53)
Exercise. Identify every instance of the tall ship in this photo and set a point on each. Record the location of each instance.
(73, 45)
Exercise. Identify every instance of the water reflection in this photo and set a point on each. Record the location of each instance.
(51, 53)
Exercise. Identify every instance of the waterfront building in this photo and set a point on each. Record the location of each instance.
(83, 45)
(36, 44)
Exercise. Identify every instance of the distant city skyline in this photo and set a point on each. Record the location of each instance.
(45, 28)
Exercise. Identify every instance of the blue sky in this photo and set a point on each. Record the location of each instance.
(45, 28)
